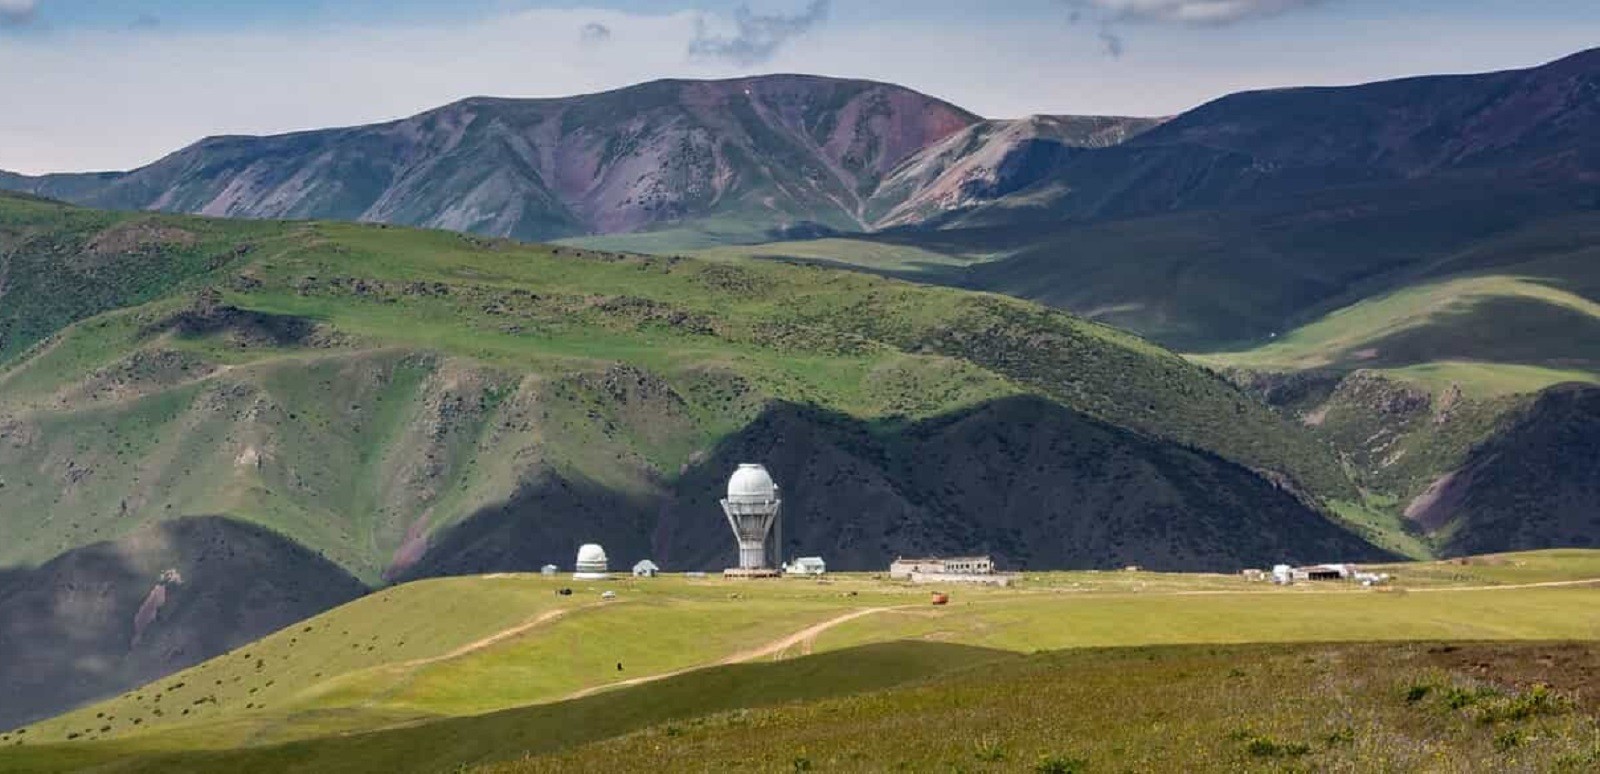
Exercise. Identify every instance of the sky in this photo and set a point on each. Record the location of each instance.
(113, 84)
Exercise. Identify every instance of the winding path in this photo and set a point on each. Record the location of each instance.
(805, 638)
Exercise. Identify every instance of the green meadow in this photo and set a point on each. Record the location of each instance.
(428, 675)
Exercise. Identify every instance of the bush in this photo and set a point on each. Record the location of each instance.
(989, 751)
(1057, 764)
(1539, 700)
(1267, 747)
(1510, 740)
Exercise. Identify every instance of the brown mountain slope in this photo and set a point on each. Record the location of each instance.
(771, 150)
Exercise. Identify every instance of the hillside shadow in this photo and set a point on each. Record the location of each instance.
(1037, 485)
(114, 615)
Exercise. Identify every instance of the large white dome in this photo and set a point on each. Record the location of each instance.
(751, 483)
(591, 564)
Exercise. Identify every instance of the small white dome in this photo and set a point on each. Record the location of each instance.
(591, 553)
(751, 483)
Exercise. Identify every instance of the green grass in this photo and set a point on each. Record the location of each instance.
(1488, 380)
(466, 646)
(900, 260)
(1489, 318)
(446, 744)
(1251, 708)
(1380, 524)
(489, 665)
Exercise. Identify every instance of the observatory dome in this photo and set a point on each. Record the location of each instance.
(592, 562)
(751, 483)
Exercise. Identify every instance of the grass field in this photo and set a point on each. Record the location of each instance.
(900, 260)
(1494, 319)
(508, 652)
(1239, 708)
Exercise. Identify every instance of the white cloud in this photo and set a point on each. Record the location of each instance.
(594, 33)
(754, 37)
(1188, 11)
(18, 11)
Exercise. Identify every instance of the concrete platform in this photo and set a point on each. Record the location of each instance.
(762, 572)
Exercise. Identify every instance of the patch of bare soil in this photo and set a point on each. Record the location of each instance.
(133, 237)
(1572, 668)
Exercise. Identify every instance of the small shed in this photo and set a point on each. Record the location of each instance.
(549, 570)
(807, 565)
(646, 569)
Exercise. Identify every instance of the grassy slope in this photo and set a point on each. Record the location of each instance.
(447, 744)
(426, 367)
(429, 650)
(1500, 319)
(1304, 708)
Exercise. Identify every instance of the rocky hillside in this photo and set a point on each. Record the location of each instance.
(1536, 483)
(746, 160)
(990, 160)
(771, 152)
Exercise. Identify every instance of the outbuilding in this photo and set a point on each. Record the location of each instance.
(806, 565)
(646, 569)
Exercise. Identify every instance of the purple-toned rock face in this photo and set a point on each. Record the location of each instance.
(771, 150)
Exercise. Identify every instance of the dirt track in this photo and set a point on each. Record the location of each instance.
(805, 638)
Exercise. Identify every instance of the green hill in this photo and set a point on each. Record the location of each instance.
(404, 403)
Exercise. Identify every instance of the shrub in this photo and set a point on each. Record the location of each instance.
(989, 751)
(1267, 747)
(1058, 764)
(1456, 697)
(1510, 740)
(1539, 700)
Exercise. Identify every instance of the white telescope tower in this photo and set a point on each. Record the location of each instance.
(752, 511)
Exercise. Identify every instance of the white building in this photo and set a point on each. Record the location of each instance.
(549, 570)
(903, 568)
(646, 569)
(752, 508)
(806, 565)
(592, 563)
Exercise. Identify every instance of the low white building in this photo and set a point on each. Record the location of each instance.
(549, 570)
(904, 569)
(646, 569)
(806, 565)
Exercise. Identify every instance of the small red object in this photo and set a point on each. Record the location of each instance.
(941, 599)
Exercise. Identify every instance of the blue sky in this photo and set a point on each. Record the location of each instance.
(106, 84)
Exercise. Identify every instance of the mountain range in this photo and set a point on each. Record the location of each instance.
(1388, 295)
